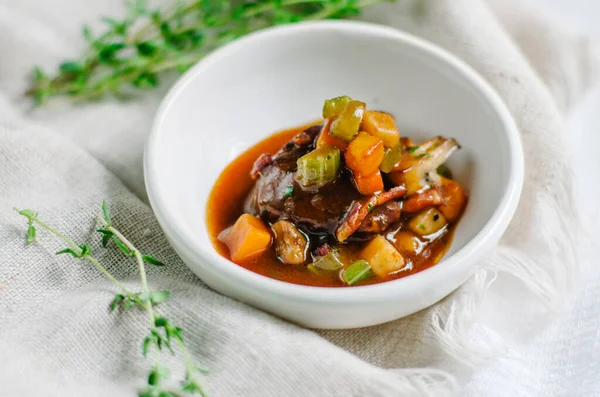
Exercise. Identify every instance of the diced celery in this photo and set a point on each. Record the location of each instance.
(328, 262)
(318, 167)
(357, 272)
(334, 106)
(391, 157)
(348, 121)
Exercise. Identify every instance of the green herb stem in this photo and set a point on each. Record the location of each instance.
(141, 267)
(136, 51)
(190, 367)
(162, 332)
(77, 249)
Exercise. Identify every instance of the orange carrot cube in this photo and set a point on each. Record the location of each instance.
(326, 139)
(382, 126)
(368, 184)
(247, 239)
(364, 154)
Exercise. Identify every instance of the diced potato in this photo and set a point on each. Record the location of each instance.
(382, 126)
(332, 107)
(427, 222)
(347, 123)
(291, 244)
(454, 199)
(325, 138)
(247, 239)
(364, 154)
(382, 256)
(391, 156)
(407, 243)
(367, 185)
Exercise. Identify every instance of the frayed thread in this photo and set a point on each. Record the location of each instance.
(547, 269)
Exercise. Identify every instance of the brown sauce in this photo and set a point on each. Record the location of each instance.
(225, 205)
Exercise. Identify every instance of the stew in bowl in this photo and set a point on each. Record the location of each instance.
(343, 202)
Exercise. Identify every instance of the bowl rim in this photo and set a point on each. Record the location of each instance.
(487, 236)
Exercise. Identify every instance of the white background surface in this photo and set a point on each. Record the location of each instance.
(583, 122)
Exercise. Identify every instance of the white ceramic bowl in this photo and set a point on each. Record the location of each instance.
(277, 79)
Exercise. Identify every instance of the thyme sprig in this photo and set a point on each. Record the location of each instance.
(134, 52)
(162, 332)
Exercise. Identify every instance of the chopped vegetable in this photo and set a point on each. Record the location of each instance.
(412, 156)
(406, 242)
(368, 184)
(357, 272)
(318, 167)
(422, 174)
(328, 262)
(427, 222)
(346, 124)
(382, 126)
(291, 245)
(454, 199)
(382, 256)
(325, 138)
(391, 156)
(334, 106)
(247, 239)
(364, 154)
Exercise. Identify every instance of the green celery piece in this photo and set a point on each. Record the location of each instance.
(347, 123)
(332, 107)
(390, 158)
(329, 262)
(357, 272)
(318, 167)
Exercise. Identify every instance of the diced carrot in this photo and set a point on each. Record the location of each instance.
(454, 198)
(382, 256)
(364, 154)
(382, 126)
(247, 239)
(325, 138)
(368, 184)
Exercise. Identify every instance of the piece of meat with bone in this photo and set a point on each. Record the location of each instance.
(276, 196)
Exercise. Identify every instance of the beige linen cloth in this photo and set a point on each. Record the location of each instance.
(496, 336)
